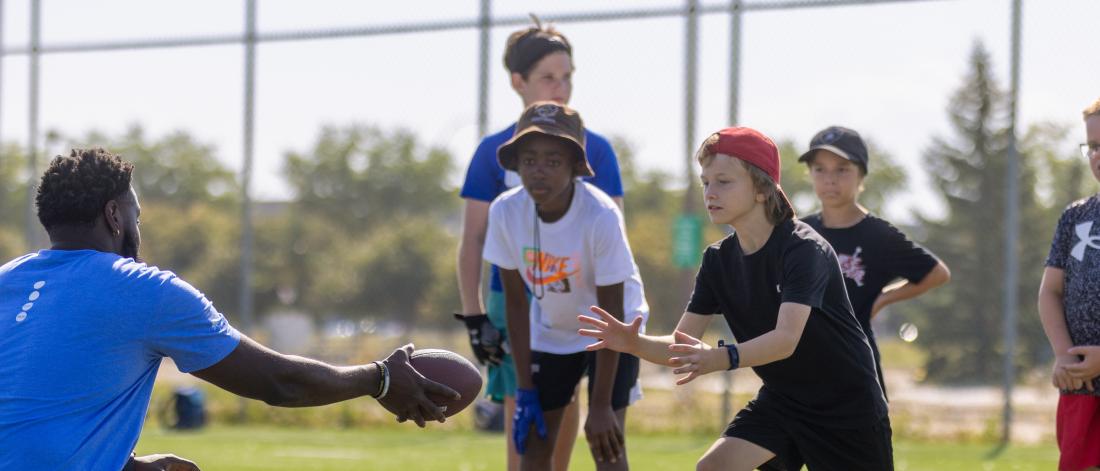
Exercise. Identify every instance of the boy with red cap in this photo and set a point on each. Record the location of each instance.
(779, 287)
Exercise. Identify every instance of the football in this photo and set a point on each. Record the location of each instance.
(450, 369)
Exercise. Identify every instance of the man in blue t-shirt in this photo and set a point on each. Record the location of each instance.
(84, 326)
(540, 68)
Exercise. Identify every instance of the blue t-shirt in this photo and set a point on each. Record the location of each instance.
(485, 179)
(82, 334)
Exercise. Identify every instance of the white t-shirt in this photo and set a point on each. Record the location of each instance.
(584, 249)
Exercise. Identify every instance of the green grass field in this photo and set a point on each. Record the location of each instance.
(407, 449)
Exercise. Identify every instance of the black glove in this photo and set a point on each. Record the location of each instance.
(485, 339)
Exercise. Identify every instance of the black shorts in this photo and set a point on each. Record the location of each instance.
(797, 442)
(556, 376)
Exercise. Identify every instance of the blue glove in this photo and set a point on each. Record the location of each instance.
(528, 411)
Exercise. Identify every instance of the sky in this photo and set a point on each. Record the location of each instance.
(885, 70)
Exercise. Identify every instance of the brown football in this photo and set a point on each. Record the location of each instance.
(452, 370)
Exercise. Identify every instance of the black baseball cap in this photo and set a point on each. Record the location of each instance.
(841, 141)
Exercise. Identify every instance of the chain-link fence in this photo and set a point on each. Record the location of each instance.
(260, 81)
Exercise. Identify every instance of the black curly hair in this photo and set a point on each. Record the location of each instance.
(74, 189)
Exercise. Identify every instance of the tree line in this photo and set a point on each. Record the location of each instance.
(371, 227)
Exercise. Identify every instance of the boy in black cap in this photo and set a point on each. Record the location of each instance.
(873, 254)
(564, 240)
(539, 60)
(778, 285)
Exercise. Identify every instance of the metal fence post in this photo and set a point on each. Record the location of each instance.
(246, 167)
(734, 91)
(483, 70)
(1012, 226)
(29, 232)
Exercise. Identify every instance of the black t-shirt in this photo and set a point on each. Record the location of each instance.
(830, 379)
(872, 254)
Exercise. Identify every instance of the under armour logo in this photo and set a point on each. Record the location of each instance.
(545, 114)
(1084, 240)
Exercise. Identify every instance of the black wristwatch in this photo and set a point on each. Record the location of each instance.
(731, 350)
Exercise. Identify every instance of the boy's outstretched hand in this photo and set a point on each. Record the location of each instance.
(695, 358)
(612, 333)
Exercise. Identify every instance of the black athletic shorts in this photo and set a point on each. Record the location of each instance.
(821, 448)
(556, 376)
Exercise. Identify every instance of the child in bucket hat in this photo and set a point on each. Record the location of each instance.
(779, 287)
(539, 62)
(563, 241)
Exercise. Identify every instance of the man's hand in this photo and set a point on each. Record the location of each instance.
(612, 333)
(1061, 378)
(165, 462)
(1089, 366)
(696, 358)
(605, 438)
(485, 338)
(407, 397)
(528, 413)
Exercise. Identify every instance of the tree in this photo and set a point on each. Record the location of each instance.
(13, 201)
(174, 169)
(363, 176)
(962, 321)
(372, 229)
(650, 209)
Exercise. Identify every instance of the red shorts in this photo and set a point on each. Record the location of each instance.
(1078, 431)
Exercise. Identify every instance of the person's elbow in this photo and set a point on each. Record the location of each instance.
(786, 345)
(1048, 295)
(941, 275)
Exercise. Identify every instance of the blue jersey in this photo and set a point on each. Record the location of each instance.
(82, 334)
(485, 179)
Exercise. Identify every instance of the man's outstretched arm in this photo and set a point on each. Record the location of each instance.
(257, 372)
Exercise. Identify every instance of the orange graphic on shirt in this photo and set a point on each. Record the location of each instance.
(553, 271)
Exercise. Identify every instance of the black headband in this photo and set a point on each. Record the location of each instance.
(532, 47)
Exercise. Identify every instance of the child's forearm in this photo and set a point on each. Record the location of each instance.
(610, 298)
(607, 366)
(770, 347)
(517, 314)
(653, 349)
(1052, 316)
(519, 324)
(936, 277)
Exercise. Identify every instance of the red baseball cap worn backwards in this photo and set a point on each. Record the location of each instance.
(752, 147)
